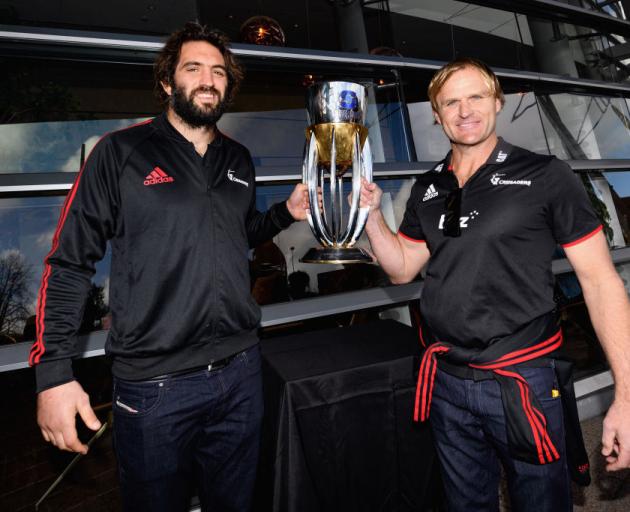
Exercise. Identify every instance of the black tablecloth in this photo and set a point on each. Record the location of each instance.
(338, 433)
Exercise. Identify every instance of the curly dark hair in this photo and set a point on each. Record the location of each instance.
(166, 62)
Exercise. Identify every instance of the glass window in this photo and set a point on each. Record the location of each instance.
(578, 51)
(608, 204)
(279, 275)
(442, 29)
(269, 116)
(616, 195)
(435, 29)
(59, 146)
(27, 226)
(113, 16)
(428, 137)
(52, 112)
(585, 127)
(51, 116)
(580, 341)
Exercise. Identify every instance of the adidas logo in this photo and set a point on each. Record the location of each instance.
(157, 176)
(430, 193)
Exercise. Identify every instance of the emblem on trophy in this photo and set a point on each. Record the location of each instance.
(337, 147)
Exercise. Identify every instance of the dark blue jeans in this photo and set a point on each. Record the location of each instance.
(469, 428)
(197, 431)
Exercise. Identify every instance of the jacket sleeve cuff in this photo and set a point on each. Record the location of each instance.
(53, 373)
(281, 216)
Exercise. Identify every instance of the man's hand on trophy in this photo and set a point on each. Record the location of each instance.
(370, 195)
(298, 203)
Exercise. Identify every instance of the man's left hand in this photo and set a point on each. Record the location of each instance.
(616, 436)
(298, 204)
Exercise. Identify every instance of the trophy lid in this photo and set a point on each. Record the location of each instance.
(336, 102)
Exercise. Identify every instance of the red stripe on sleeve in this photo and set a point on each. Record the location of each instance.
(585, 237)
(411, 239)
(38, 349)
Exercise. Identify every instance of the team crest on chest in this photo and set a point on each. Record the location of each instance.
(231, 177)
(497, 179)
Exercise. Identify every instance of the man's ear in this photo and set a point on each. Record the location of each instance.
(436, 118)
(167, 88)
(498, 105)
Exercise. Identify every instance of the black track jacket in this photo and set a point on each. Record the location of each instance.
(180, 227)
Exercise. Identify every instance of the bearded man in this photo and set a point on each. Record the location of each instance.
(176, 199)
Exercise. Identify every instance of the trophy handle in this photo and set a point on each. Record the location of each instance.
(361, 168)
(309, 177)
(356, 191)
(336, 190)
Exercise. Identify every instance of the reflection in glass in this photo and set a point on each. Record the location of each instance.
(580, 341)
(52, 128)
(52, 111)
(619, 190)
(466, 15)
(60, 146)
(428, 137)
(291, 279)
(26, 230)
(443, 29)
(269, 118)
(27, 226)
(599, 193)
(585, 127)
(116, 15)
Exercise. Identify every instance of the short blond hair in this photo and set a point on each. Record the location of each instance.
(446, 71)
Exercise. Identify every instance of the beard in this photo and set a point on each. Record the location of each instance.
(194, 115)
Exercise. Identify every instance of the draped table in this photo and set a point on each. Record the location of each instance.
(338, 431)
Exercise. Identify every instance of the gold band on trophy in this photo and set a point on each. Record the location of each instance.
(344, 142)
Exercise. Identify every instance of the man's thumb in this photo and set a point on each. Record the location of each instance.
(89, 418)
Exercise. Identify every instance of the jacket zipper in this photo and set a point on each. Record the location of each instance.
(213, 305)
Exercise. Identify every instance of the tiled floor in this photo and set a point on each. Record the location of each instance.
(28, 465)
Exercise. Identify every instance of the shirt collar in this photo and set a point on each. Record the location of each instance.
(499, 155)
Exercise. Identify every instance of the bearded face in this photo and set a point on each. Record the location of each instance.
(194, 110)
(199, 85)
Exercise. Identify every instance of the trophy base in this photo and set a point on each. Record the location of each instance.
(336, 255)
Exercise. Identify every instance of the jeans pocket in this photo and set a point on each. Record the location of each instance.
(542, 382)
(137, 399)
(252, 359)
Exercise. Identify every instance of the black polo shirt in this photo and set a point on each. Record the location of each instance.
(496, 276)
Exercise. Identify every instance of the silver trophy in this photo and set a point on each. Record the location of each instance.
(336, 141)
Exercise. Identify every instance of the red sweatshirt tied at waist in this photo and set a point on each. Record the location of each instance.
(528, 414)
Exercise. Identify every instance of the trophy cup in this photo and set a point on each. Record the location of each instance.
(336, 141)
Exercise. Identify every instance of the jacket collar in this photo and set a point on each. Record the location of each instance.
(165, 127)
